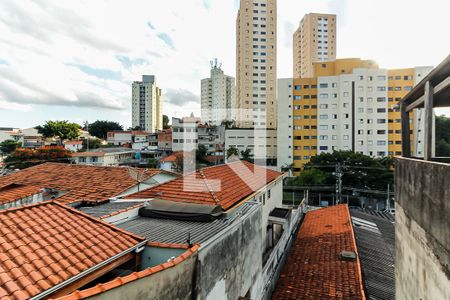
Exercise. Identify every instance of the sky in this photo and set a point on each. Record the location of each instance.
(76, 60)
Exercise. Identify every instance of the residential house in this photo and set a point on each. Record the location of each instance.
(220, 235)
(70, 183)
(50, 250)
(184, 133)
(73, 146)
(165, 140)
(104, 156)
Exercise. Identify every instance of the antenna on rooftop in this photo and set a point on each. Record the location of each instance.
(137, 175)
(189, 240)
(215, 64)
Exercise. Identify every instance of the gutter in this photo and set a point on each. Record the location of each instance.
(138, 248)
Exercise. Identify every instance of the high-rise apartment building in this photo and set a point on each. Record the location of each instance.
(350, 105)
(146, 104)
(256, 63)
(314, 41)
(218, 94)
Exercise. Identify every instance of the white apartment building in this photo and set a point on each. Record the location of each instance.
(419, 115)
(256, 63)
(284, 129)
(353, 112)
(261, 142)
(184, 134)
(218, 95)
(146, 104)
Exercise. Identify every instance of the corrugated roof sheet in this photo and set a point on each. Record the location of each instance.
(167, 231)
(375, 238)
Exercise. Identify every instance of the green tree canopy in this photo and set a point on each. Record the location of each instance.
(165, 122)
(59, 129)
(442, 136)
(8, 146)
(359, 170)
(100, 128)
(247, 155)
(232, 151)
(200, 154)
(311, 176)
(93, 144)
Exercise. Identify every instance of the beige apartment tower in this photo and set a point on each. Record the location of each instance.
(256, 63)
(147, 104)
(314, 41)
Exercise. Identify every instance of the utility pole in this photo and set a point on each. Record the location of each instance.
(338, 173)
(388, 202)
(87, 140)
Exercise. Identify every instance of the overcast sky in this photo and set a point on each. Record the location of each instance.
(75, 60)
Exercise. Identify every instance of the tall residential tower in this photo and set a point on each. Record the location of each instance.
(314, 41)
(218, 96)
(147, 104)
(256, 63)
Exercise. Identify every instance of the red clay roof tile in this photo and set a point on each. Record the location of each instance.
(100, 288)
(32, 273)
(13, 192)
(313, 269)
(197, 188)
(81, 182)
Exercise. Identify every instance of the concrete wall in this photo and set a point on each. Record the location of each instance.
(172, 283)
(422, 230)
(229, 266)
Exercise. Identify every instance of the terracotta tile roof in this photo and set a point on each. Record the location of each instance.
(198, 188)
(313, 269)
(73, 142)
(87, 154)
(15, 192)
(170, 158)
(82, 183)
(45, 244)
(119, 281)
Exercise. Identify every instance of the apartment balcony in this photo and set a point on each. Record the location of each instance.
(422, 198)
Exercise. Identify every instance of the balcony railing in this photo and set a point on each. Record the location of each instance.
(433, 91)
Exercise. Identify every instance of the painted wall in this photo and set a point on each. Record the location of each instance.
(172, 283)
(229, 266)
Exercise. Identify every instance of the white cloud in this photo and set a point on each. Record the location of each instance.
(61, 52)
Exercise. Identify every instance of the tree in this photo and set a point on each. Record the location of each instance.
(359, 170)
(8, 146)
(232, 151)
(59, 129)
(200, 154)
(137, 128)
(100, 128)
(442, 136)
(165, 122)
(228, 124)
(247, 155)
(24, 158)
(310, 176)
(93, 144)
